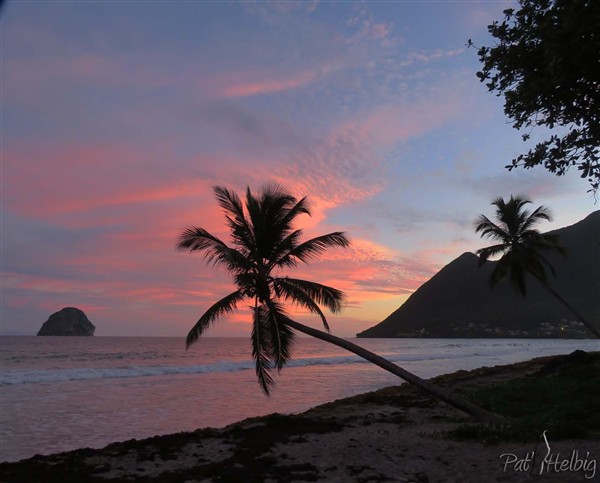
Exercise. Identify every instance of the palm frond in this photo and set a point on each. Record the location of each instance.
(312, 248)
(509, 213)
(270, 219)
(194, 238)
(536, 264)
(241, 237)
(224, 306)
(487, 252)
(321, 294)
(283, 247)
(230, 202)
(261, 349)
(300, 207)
(517, 275)
(215, 250)
(246, 282)
(540, 213)
(236, 219)
(543, 242)
(283, 237)
(254, 216)
(280, 335)
(298, 296)
(273, 190)
(490, 229)
(510, 266)
(500, 272)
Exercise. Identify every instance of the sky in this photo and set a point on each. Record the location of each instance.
(118, 118)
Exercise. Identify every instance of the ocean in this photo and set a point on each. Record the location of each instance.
(63, 393)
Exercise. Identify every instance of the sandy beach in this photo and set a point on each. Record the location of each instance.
(393, 434)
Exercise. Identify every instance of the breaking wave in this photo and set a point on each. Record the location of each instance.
(75, 374)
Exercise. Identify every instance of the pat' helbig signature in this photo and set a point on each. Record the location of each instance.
(543, 460)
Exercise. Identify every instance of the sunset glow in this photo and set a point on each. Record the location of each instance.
(118, 118)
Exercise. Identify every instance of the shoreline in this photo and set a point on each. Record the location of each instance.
(392, 434)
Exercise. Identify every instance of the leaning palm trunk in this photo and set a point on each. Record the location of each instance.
(579, 317)
(426, 386)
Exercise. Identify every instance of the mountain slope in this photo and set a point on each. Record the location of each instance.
(458, 302)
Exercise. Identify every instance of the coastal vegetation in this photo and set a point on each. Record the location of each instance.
(522, 248)
(263, 242)
(542, 401)
(544, 62)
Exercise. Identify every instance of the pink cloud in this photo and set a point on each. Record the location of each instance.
(134, 268)
(390, 124)
(368, 271)
(137, 273)
(57, 180)
(344, 166)
(11, 280)
(28, 78)
(361, 250)
(335, 170)
(268, 86)
(379, 30)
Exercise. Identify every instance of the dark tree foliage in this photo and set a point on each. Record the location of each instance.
(546, 64)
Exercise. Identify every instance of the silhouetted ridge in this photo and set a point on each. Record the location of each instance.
(458, 301)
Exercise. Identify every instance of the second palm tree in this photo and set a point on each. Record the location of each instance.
(522, 248)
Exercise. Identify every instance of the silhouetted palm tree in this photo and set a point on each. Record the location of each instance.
(522, 247)
(263, 242)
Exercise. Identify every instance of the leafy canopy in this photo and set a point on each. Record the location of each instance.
(546, 64)
(263, 241)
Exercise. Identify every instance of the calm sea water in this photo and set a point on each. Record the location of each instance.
(62, 393)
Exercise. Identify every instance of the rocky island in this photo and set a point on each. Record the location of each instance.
(68, 321)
